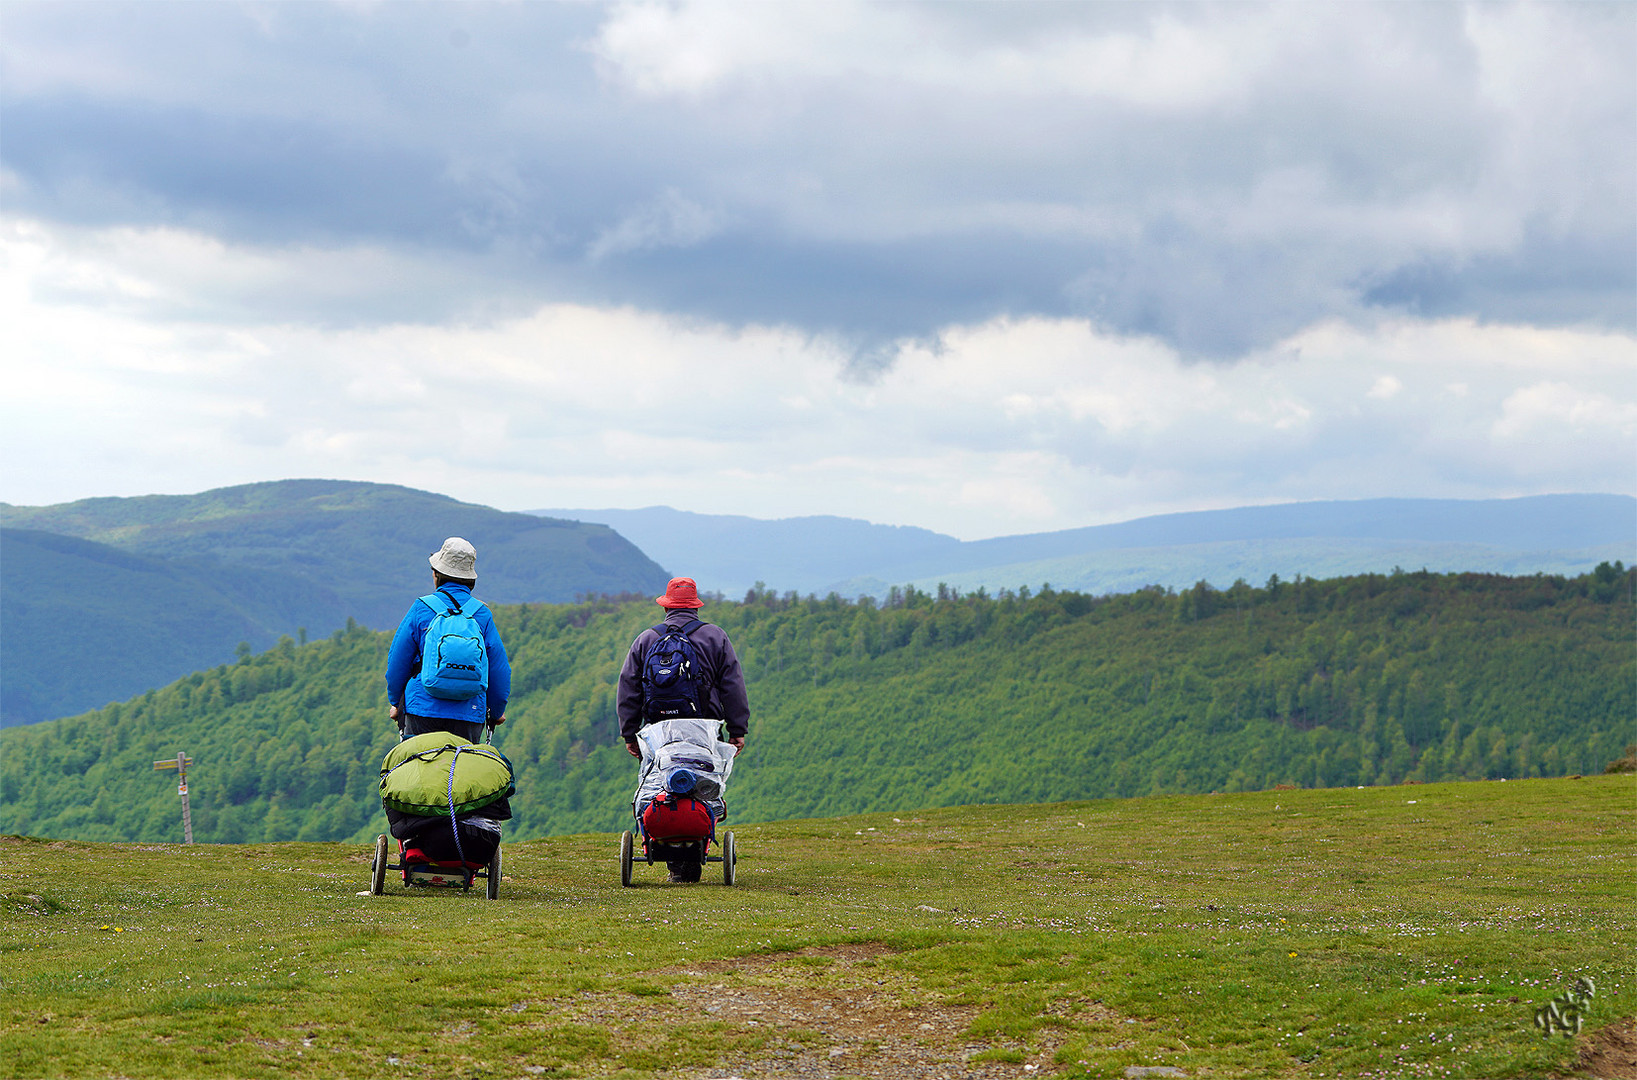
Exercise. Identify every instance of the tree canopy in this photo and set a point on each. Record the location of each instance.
(919, 699)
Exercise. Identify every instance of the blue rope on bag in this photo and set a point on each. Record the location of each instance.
(454, 822)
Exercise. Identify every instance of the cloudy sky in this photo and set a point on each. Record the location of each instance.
(984, 268)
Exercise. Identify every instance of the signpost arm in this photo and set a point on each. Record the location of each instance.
(180, 764)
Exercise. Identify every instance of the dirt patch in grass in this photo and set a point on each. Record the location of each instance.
(1610, 1053)
(817, 1013)
(836, 1010)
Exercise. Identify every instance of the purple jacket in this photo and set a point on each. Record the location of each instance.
(720, 672)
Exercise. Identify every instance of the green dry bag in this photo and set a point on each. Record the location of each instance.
(426, 773)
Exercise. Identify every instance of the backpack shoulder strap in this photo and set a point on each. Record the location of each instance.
(451, 606)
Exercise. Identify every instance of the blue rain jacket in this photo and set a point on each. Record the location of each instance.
(404, 687)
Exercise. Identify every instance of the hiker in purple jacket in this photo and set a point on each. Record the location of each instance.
(718, 681)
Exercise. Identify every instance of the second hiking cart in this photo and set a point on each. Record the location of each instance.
(679, 802)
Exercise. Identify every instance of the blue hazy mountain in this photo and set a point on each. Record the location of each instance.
(83, 623)
(728, 553)
(1545, 533)
(133, 593)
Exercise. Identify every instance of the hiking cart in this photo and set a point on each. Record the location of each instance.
(679, 799)
(665, 851)
(445, 798)
(440, 874)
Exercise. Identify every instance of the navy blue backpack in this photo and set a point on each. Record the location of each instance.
(670, 670)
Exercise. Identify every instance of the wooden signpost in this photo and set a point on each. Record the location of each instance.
(180, 763)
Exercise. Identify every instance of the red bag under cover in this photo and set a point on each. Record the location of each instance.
(679, 819)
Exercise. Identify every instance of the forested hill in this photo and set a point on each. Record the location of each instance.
(366, 542)
(918, 701)
(127, 594)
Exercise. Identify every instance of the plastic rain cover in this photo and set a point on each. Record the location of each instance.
(670, 746)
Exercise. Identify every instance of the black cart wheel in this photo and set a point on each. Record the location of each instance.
(494, 875)
(730, 855)
(625, 859)
(378, 868)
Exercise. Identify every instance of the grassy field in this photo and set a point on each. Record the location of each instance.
(1406, 931)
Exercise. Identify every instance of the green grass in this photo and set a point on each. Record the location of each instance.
(1407, 931)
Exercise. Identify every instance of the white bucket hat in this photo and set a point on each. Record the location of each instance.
(457, 559)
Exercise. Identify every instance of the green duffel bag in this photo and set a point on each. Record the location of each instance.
(416, 775)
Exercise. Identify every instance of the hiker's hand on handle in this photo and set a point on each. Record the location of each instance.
(738, 743)
(631, 747)
(497, 721)
(393, 713)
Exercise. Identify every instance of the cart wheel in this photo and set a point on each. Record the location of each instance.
(494, 875)
(625, 859)
(378, 868)
(730, 855)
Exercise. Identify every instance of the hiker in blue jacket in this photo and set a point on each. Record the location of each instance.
(469, 686)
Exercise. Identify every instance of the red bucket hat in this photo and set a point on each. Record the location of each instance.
(680, 593)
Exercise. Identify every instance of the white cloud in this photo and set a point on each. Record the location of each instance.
(1217, 176)
(1006, 426)
(698, 48)
(1385, 388)
(1553, 413)
(170, 274)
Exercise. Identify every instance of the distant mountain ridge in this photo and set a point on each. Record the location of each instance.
(730, 553)
(127, 594)
(184, 578)
(368, 540)
(1543, 533)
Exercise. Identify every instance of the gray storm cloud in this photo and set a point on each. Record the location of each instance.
(1214, 177)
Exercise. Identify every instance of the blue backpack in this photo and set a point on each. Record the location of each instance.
(454, 663)
(669, 669)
